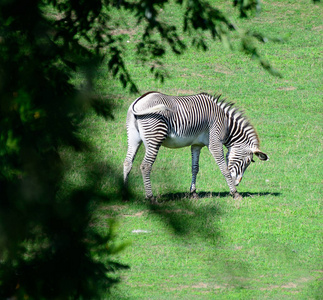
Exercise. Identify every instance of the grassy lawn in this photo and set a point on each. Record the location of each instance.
(269, 245)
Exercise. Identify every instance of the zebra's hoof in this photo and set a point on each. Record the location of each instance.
(236, 196)
(152, 200)
(194, 195)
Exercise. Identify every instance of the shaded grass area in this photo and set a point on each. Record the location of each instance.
(269, 245)
(206, 247)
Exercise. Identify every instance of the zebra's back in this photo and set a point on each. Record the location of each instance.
(189, 116)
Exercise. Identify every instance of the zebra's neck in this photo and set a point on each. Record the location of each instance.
(238, 129)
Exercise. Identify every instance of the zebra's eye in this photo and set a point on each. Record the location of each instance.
(249, 160)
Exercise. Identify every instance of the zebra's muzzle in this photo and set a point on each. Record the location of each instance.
(237, 180)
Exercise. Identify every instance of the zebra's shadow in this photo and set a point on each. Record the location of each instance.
(204, 194)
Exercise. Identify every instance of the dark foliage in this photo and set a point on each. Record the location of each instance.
(48, 250)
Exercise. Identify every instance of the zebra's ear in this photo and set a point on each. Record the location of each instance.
(261, 155)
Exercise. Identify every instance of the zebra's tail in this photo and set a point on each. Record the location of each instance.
(154, 109)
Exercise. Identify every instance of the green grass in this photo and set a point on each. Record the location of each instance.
(268, 246)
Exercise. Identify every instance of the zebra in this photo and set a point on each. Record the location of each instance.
(198, 120)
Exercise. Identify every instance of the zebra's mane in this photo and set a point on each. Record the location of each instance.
(238, 117)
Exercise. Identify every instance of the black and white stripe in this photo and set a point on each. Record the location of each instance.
(197, 121)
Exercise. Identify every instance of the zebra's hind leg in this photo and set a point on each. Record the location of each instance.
(134, 141)
(146, 166)
(127, 165)
(195, 151)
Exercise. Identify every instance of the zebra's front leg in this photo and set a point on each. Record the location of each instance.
(195, 151)
(216, 149)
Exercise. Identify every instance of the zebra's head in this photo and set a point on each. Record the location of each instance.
(238, 160)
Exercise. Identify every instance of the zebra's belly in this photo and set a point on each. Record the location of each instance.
(175, 141)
